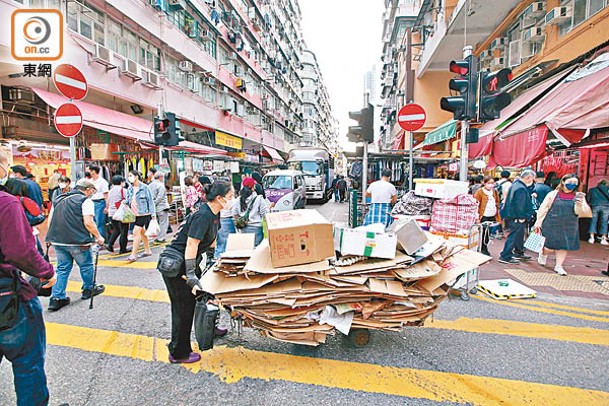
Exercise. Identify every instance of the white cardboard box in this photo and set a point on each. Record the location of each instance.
(440, 188)
(351, 241)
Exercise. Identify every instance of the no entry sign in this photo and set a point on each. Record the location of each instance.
(70, 82)
(68, 120)
(411, 117)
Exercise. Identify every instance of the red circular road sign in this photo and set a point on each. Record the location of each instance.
(411, 117)
(68, 120)
(70, 82)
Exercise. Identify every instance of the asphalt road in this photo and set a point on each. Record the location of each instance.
(552, 350)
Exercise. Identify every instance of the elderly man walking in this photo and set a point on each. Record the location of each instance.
(159, 195)
(72, 231)
(383, 194)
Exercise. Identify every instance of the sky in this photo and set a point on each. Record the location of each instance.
(346, 37)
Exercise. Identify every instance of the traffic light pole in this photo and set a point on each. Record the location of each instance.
(365, 172)
(464, 153)
(160, 116)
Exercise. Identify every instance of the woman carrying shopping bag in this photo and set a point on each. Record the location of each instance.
(116, 196)
(191, 197)
(599, 200)
(179, 266)
(488, 207)
(140, 200)
(558, 221)
(250, 211)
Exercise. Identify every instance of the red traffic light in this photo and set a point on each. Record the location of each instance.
(459, 67)
(493, 82)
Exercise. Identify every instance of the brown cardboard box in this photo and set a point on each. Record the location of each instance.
(104, 152)
(299, 237)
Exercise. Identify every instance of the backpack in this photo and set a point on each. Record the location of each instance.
(499, 188)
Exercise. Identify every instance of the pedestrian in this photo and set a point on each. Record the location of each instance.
(227, 227)
(22, 335)
(72, 231)
(53, 183)
(541, 190)
(195, 236)
(34, 191)
(190, 195)
(382, 194)
(599, 201)
(259, 187)
(488, 208)
(116, 197)
(503, 186)
(477, 184)
(161, 205)
(517, 211)
(139, 200)
(552, 180)
(342, 189)
(335, 188)
(151, 172)
(558, 223)
(63, 186)
(257, 206)
(203, 180)
(100, 198)
(198, 185)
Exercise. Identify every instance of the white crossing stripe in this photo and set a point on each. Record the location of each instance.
(70, 82)
(412, 117)
(68, 119)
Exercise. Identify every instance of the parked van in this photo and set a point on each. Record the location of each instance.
(285, 189)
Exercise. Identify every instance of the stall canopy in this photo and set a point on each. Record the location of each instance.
(487, 131)
(201, 149)
(273, 153)
(444, 132)
(398, 143)
(573, 107)
(104, 119)
(526, 148)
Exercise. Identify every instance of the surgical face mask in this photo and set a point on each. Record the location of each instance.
(228, 203)
(131, 179)
(571, 186)
(62, 185)
(489, 186)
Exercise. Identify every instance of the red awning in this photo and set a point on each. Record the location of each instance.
(521, 149)
(104, 119)
(484, 145)
(199, 149)
(580, 102)
(273, 154)
(398, 143)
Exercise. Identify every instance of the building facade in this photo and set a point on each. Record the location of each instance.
(231, 71)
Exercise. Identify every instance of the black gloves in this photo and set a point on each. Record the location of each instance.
(191, 277)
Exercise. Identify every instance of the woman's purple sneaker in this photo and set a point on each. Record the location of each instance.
(193, 357)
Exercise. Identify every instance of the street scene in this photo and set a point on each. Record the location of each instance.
(297, 202)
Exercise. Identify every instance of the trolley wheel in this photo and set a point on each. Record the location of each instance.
(474, 290)
(359, 337)
(464, 296)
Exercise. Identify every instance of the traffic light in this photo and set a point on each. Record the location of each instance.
(364, 132)
(492, 98)
(167, 131)
(463, 106)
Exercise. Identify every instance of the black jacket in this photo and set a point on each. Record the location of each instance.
(518, 204)
(599, 196)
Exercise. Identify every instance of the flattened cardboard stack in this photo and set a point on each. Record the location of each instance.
(303, 304)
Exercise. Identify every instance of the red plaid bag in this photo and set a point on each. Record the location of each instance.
(454, 215)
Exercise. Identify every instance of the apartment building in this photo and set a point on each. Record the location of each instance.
(231, 71)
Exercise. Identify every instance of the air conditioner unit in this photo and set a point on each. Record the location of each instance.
(533, 34)
(151, 79)
(131, 69)
(193, 83)
(536, 9)
(207, 35)
(185, 66)
(103, 56)
(498, 63)
(240, 110)
(486, 54)
(224, 89)
(21, 96)
(209, 80)
(238, 70)
(558, 15)
(177, 4)
(159, 4)
(527, 50)
(498, 43)
(528, 22)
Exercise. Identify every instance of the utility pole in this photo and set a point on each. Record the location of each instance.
(160, 114)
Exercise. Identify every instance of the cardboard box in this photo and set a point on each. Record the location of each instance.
(104, 152)
(299, 237)
(440, 188)
(353, 241)
(462, 240)
(409, 234)
(424, 221)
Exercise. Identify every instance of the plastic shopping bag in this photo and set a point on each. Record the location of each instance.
(129, 216)
(120, 213)
(153, 228)
(535, 242)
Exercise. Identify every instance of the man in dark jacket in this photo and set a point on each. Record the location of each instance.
(34, 190)
(22, 336)
(342, 189)
(517, 211)
(335, 188)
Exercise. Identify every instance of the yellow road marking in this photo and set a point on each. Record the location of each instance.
(573, 308)
(521, 305)
(124, 264)
(234, 364)
(582, 335)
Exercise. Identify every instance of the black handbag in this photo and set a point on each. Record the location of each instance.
(9, 302)
(205, 318)
(171, 262)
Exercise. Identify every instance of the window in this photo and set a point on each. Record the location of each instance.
(86, 21)
(581, 10)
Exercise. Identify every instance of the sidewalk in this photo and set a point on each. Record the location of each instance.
(583, 267)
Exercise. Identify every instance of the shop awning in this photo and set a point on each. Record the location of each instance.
(273, 153)
(398, 143)
(484, 145)
(522, 149)
(444, 132)
(104, 119)
(200, 149)
(580, 103)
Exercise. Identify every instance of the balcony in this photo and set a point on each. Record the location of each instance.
(446, 41)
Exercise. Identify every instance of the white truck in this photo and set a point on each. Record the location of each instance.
(317, 166)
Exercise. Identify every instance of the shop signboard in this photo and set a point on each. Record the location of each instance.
(228, 140)
(238, 155)
(68, 120)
